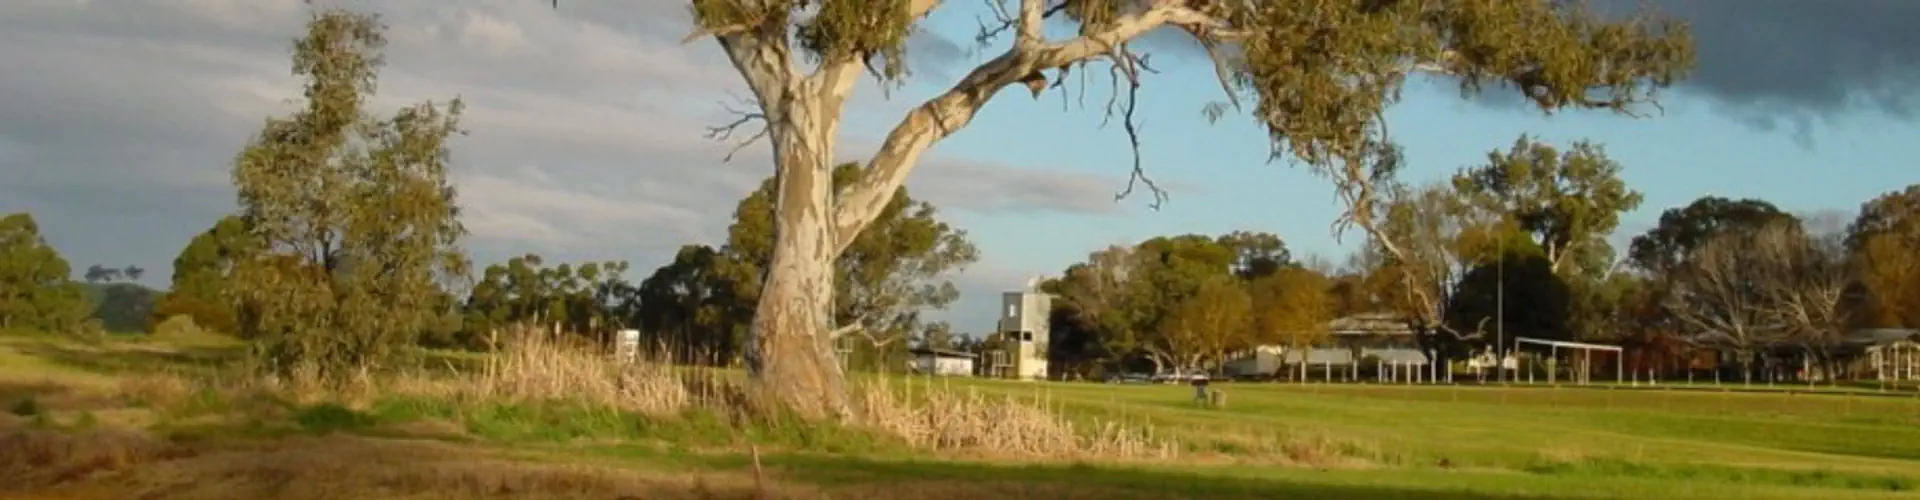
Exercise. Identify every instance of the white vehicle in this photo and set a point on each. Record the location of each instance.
(1176, 376)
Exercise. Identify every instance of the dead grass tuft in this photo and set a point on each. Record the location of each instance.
(533, 369)
(157, 390)
(947, 419)
(31, 458)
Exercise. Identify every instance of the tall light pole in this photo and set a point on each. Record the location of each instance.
(1500, 312)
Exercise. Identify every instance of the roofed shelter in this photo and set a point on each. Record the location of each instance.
(1586, 350)
(1892, 353)
(1384, 336)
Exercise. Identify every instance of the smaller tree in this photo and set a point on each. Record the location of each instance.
(1094, 305)
(1518, 294)
(203, 274)
(98, 274)
(1256, 255)
(1806, 282)
(1425, 241)
(354, 213)
(1721, 294)
(1568, 202)
(1204, 326)
(36, 288)
(1889, 270)
(690, 306)
(1291, 307)
(585, 299)
(1881, 242)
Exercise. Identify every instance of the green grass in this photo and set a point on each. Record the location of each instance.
(1508, 427)
(1269, 441)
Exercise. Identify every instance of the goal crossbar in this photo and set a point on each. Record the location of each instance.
(1566, 344)
(1619, 361)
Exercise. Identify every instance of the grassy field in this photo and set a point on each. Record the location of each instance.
(126, 419)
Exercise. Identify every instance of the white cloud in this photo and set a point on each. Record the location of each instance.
(119, 121)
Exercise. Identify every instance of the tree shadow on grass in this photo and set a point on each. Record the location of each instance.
(925, 480)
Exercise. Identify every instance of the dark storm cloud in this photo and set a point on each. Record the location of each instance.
(1771, 63)
(1817, 57)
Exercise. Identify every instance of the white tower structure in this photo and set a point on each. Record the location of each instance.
(1023, 324)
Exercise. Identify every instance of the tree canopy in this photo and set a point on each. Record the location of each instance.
(36, 289)
(1881, 243)
(202, 284)
(354, 215)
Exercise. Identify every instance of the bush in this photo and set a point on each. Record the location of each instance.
(178, 327)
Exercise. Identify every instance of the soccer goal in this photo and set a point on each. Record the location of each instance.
(1585, 358)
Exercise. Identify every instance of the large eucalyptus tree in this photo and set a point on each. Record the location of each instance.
(1316, 74)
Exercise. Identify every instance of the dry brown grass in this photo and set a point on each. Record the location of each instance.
(532, 370)
(942, 418)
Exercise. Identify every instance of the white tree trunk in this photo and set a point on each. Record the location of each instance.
(791, 359)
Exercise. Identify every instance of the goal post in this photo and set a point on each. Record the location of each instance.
(1586, 350)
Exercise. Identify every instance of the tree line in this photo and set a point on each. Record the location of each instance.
(345, 249)
(1529, 227)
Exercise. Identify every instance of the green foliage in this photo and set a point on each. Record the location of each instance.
(691, 305)
(1537, 301)
(589, 299)
(25, 407)
(326, 418)
(178, 328)
(353, 214)
(1566, 203)
(36, 291)
(203, 276)
(1213, 319)
(1683, 230)
(1569, 202)
(122, 307)
(1323, 70)
(885, 279)
(1881, 243)
(828, 30)
(1290, 307)
(1124, 303)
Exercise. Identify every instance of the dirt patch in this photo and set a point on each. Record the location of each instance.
(112, 463)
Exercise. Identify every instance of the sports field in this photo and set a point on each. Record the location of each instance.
(84, 423)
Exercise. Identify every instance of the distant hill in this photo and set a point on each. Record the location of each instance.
(122, 307)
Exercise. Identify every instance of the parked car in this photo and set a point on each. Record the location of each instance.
(1174, 377)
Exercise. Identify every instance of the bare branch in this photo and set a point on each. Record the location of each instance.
(1005, 20)
(857, 325)
(765, 62)
(725, 132)
(938, 117)
(1127, 65)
